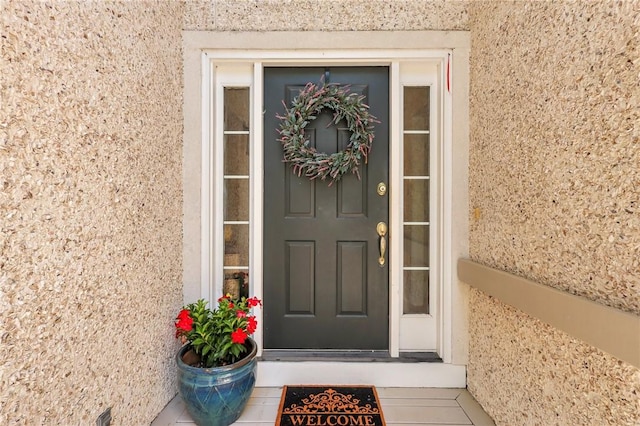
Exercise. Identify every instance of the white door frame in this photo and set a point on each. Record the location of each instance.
(203, 52)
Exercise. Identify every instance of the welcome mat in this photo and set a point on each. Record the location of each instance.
(329, 406)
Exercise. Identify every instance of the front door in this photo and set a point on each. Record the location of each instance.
(324, 287)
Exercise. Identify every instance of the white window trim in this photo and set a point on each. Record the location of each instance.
(430, 74)
(203, 47)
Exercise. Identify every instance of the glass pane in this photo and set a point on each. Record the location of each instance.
(416, 245)
(236, 108)
(236, 199)
(236, 155)
(416, 200)
(416, 292)
(416, 155)
(236, 245)
(416, 108)
(236, 283)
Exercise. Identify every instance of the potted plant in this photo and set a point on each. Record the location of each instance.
(216, 364)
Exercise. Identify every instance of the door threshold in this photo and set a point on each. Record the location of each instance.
(295, 355)
(384, 374)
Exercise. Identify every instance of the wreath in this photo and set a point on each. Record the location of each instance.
(305, 159)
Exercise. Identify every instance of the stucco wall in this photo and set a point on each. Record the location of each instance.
(90, 178)
(90, 208)
(326, 15)
(554, 197)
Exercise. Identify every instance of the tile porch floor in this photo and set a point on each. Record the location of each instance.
(400, 406)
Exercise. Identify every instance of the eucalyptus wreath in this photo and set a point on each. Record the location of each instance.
(305, 159)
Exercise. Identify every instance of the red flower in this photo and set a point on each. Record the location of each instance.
(184, 322)
(251, 324)
(241, 314)
(254, 301)
(239, 336)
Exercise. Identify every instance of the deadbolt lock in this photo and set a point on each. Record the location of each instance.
(382, 188)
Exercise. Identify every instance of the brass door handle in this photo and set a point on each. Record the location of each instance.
(382, 232)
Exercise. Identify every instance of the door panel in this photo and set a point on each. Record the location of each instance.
(300, 265)
(352, 280)
(323, 286)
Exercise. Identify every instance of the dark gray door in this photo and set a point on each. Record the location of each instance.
(323, 285)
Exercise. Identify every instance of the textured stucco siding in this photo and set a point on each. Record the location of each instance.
(326, 15)
(525, 372)
(554, 197)
(91, 202)
(90, 209)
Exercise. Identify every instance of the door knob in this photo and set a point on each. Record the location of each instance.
(381, 189)
(382, 233)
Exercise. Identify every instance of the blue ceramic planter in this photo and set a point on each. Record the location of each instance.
(216, 396)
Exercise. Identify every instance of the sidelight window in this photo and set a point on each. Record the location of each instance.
(415, 145)
(236, 128)
(419, 224)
